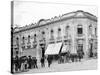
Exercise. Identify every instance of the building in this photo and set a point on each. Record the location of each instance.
(76, 30)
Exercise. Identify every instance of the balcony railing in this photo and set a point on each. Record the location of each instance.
(23, 44)
(80, 35)
(59, 39)
(29, 45)
(34, 42)
(65, 37)
(16, 46)
(51, 40)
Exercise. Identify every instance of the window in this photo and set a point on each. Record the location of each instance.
(23, 39)
(43, 32)
(34, 42)
(59, 32)
(51, 31)
(43, 35)
(80, 29)
(17, 41)
(35, 37)
(95, 31)
(52, 34)
(29, 39)
(90, 29)
(23, 47)
(59, 29)
(66, 30)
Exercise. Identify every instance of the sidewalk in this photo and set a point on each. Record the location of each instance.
(55, 67)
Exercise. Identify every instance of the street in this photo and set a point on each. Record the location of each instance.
(90, 64)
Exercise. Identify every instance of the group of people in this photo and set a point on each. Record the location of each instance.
(49, 59)
(24, 63)
(68, 57)
(28, 62)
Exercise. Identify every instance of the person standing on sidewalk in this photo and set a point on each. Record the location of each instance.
(42, 62)
(49, 61)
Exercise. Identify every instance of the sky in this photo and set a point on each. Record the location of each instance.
(27, 12)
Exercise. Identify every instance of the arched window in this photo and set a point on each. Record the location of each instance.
(28, 38)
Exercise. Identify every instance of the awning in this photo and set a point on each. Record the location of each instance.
(53, 48)
(65, 48)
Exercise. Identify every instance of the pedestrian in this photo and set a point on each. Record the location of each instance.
(16, 63)
(42, 62)
(35, 62)
(29, 62)
(49, 59)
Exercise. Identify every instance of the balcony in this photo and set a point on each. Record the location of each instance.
(23, 44)
(51, 40)
(59, 39)
(23, 47)
(16, 46)
(80, 35)
(41, 41)
(29, 45)
(65, 37)
(34, 44)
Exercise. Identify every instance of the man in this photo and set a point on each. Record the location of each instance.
(29, 62)
(80, 54)
(35, 62)
(16, 63)
(42, 62)
(49, 59)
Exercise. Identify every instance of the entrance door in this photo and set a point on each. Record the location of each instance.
(42, 50)
(80, 47)
(91, 50)
(80, 50)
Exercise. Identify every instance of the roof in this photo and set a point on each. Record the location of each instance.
(76, 14)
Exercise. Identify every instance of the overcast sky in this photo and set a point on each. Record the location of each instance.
(30, 12)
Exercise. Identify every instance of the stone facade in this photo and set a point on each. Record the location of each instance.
(76, 29)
